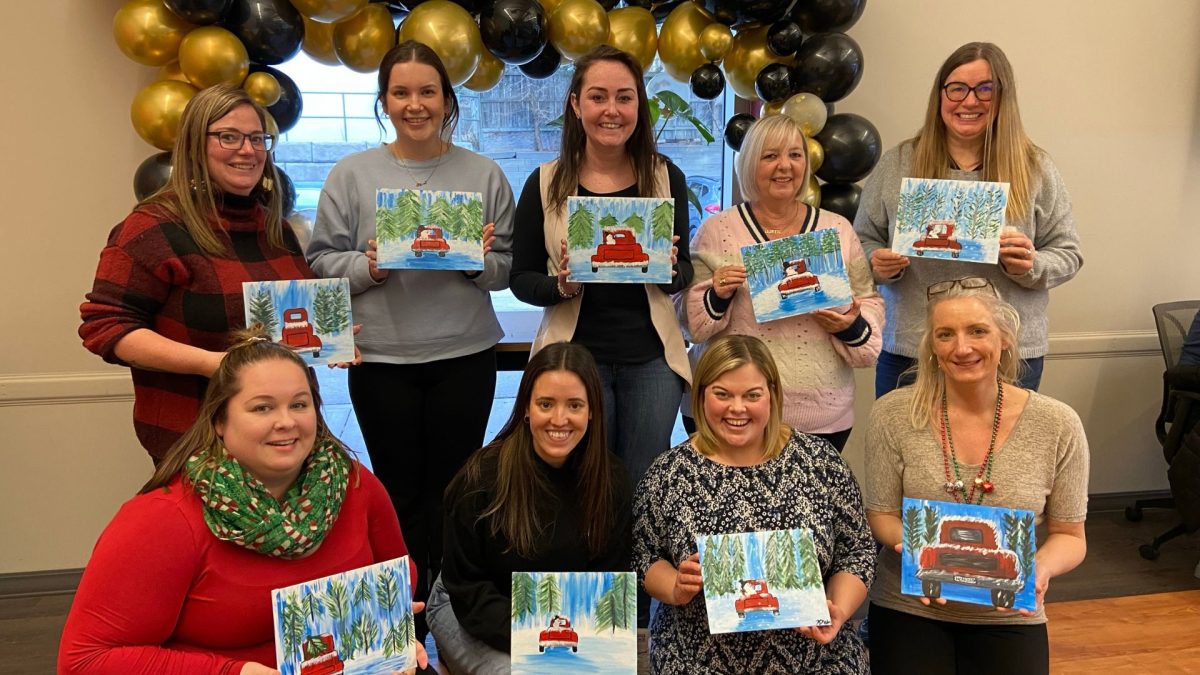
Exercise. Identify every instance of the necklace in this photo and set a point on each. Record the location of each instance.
(403, 163)
(982, 483)
(791, 220)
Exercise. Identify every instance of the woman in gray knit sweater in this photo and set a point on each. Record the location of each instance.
(972, 132)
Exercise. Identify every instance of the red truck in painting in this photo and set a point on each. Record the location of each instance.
(430, 239)
(558, 634)
(968, 553)
(619, 249)
(755, 598)
(939, 236)
(797, 279)
(298, 332)
(320, 656)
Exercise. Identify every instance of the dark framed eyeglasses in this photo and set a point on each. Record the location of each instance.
(965, 283)
(957, 91)
(231, 139)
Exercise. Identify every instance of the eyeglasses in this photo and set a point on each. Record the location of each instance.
(957, 91)
(233, 140)
(965, 283)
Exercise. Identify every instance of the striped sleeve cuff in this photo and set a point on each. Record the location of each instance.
(715, 305)
(857, 334)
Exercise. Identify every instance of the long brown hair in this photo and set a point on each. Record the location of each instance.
(641, 149)
(251, 346)
(1008, 154)
(189, 195)
(411, 51)
(730, 352)
(519, 482)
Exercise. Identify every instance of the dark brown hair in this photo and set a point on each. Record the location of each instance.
(411, 51)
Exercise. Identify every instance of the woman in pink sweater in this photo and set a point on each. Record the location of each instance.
(816, 352)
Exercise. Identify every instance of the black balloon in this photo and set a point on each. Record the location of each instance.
(514, 31)
(287, 190)
(758, 11)
(784, 38)
(852, 147)
(724, 11)
(288, 108)
(707, 81)
(644, 4)
(543, 65)
(827, 16)
(200, 12)
(607, 4)
(735, 130)
(151, 174)
(828, 65)
(271, 30)
(841, 198)
(774, 82)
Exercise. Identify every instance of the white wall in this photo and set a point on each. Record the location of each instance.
(1108, 87)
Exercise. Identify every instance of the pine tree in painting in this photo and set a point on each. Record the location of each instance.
(440, 211)
(293, 625)
(549, 595)
(662, 221)
(366, 631)
(608, 221)
(407, 214)
(810, 569)
(362, 593)
(473, 215)
(262, 311)
(737, 558)
(348, 643)
(1026, 552)
(912, 529)
(310, 604)
(637, 224)
(723, 580)
(931, 524)
(337, 601)
(580, 228)
(831, 244)
(709, 569)
(387, 224)
(329, 310)
(780, 561)
(624, 590)
(386, 596)
(605, 613)
(524, 596)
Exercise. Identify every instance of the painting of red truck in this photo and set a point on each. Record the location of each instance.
(312, 316)
(429, 229)
(620, 239)
(574, 622)
(796, 275)
(950, 219)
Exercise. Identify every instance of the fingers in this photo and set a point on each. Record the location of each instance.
(418, 606)
(371, 246)
(899, 548)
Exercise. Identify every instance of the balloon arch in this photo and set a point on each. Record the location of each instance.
(792, 58)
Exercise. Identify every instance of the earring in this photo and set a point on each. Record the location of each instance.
(527, 419)
(267, 183)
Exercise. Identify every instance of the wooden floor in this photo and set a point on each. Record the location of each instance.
(1157, 633)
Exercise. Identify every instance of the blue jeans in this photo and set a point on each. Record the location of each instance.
(890, 372)
(457, 649)
(640, 404)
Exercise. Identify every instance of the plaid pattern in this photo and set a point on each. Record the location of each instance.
(153, 275)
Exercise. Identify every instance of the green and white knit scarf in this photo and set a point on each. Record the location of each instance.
(238, 508)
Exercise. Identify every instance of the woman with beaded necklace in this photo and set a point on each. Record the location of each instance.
(965, 432)
(424, 391)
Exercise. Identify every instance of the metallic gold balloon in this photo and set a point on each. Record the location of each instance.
(148, 32)
(361, 41)
(263, 88)
(328, 11)
(808, 110)
(816, 155)
(318, 42)
(715, 40)
(211, 55)
(576, 26)
(769, 108)
(679, 41)
(172, 71)
(812, 193)
(747, 55)
(632, 29)
(487, 73)
(450, 31)
(156, 110)
(549, 5)
(271, 126)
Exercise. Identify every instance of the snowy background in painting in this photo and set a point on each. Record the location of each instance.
(607, 643)
(975, 207)
(822, 255)
(399, 213)
(327, 305)
(653, 234)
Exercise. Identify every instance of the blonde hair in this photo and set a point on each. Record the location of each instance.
(189, 195)
(1008, 154)
(771, 131)
(724, 354)
(930, 383)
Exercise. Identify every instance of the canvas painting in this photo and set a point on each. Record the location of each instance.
(983, 555)
(796, 275)
(762, 581)
(950, 219)
(354, 623)
(312, 316)
(620, 239)
(429, 230)
(574, 622)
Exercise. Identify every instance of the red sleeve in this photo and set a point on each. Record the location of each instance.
(132, 593)
(383, 526)
(136, 272)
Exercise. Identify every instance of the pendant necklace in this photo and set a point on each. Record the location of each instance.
(982, 484)
(783, 229)
(413, 176)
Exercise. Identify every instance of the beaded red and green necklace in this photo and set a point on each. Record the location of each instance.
(982, 484)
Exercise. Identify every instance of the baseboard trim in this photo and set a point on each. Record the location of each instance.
(48, 582)
(1117, 501)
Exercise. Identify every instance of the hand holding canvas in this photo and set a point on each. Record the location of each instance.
(887, 264)
(565, 287)
(825, 634)
(834, 321)
(1016, 252)
(674, 255)
(357, 354)
(373, 262)
(687, 580)
(727, 279)
(922, 599)
(489, 237)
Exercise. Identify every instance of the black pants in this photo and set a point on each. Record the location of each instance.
(420, 422)
(904, 643)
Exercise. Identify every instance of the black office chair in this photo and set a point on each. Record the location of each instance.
(1179, 414)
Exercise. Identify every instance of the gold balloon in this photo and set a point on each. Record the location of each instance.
(576, 26)
(770, 108)
(211, 55)
(263, 88)
(328, 11)
(715, 41)
(148, 32)
(811, 194)
(318, 42)
(808, 110)
(449, 31)
(156, 111)
(172, 71)
(632, 29)
(679, 40)
(747, 55)
(549, 5)
(271, 126)
(816, 154)
(487, 73)
(361, 41)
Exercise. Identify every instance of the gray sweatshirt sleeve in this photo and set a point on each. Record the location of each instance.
(1054, 235)
(500, 205)
(871, 223)
(334, 249)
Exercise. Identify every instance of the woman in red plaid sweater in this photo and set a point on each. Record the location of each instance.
(168, 289)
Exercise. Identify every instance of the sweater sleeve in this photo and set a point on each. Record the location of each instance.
(1054, 237)
(702, 312)
(480, 607)
(497, 264)
(529, 281)
(131, 595)
(884, 466)
(871, 221)
(333, 249)
(683, 259)
(860, 344)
